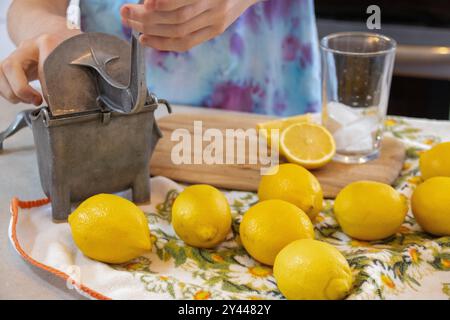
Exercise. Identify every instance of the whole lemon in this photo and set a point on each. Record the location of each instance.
(110, 229)
(294, 184)
(369, 210)
(270, 225)
(201, 216)
(430, 204)
(312, 270)
(436, 161)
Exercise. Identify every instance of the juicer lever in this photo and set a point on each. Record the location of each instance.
(112, 94)
(22, 120)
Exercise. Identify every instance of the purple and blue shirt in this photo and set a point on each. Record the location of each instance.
(266, 62)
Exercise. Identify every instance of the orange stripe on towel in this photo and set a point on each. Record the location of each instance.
(15, 205)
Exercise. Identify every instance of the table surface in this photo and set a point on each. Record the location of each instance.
(20, 177)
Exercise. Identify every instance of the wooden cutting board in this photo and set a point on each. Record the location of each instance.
(333, 177)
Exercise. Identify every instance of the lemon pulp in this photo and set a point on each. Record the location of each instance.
(307, 144)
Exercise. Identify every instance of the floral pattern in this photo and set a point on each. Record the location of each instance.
(266, 62)
(408, 265)
(403, 265)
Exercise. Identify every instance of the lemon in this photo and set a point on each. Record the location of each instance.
(281, 124)
(430, 204)
(436, 161)
(201, 216)
(294, 184)
(307, 144)
(269, 226)
(369, 210)
(312, 270)
(110, 229)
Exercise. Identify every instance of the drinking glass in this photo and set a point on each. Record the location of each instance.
(356, 78)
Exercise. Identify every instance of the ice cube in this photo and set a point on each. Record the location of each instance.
(342, 113)
(357, 136)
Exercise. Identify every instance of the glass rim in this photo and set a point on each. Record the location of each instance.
(355, 33)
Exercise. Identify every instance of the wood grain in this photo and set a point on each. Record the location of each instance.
(333, 177)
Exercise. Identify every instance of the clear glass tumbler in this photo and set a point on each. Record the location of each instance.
(356, 79)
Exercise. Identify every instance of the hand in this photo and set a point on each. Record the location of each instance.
(179, 25)
(25, 65)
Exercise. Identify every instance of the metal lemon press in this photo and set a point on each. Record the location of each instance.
(98, 132)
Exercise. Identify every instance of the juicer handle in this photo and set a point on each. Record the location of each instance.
(137, 82)
(22, 120)
(157, 134)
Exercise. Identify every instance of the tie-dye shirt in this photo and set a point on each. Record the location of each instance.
(265, 62)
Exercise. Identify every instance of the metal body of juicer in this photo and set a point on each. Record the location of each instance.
(98, 132)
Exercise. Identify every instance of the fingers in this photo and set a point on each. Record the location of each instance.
(179, 44)
(5, 89)
(175, 25)
(183, 14)
(170, 5)
(135, 25)
(135, 12)
(18, 82)
(149, 4)
(174, 30)
(16, 72)
(25, 64)
(145, 17)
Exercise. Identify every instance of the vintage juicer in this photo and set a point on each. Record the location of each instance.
(98, 132)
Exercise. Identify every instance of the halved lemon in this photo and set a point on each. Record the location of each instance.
(281, 124)
(307, 144)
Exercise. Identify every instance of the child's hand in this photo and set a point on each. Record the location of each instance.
(179, 25)
(25, 65)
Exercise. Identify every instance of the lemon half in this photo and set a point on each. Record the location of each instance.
(307, 144)
(282, 124)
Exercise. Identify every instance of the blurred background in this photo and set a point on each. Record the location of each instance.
(421, 84)
(6, 45)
